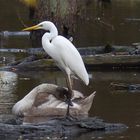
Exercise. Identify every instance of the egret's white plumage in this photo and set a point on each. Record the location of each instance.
(63, 53)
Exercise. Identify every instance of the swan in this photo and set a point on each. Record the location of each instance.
(49, 100)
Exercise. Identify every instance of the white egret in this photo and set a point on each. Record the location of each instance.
(64, 53)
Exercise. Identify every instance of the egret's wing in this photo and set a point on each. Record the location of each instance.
(67, 56)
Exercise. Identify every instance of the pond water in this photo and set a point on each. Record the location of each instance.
(117, 22)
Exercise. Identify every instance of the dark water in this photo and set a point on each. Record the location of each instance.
(117, 22)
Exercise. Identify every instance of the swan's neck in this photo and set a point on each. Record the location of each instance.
(32, 95)
(47, 38)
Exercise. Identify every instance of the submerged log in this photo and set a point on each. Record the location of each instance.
(125, 86)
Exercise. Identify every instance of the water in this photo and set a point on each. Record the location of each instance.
(117, 23)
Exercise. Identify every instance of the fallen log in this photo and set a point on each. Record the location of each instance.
(91, 62)
(94, 58)
(59, 128)
(85, 51)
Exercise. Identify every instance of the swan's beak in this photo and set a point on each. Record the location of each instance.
(36, 27)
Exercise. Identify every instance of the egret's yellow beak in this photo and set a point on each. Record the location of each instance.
(36, 27)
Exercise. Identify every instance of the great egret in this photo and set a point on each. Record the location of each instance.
(47, 100)
(64, 53)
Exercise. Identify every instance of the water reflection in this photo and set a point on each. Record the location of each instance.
(106, 23)
(8, 84)
(115, 22)
(6, 58)
(55, 77)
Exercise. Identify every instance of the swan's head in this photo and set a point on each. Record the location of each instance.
(45, 25)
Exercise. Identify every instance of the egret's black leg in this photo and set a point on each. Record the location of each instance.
(69, 95)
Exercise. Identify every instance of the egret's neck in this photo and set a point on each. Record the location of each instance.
(53, 32)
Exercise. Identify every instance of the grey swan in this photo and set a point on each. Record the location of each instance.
(48, 100)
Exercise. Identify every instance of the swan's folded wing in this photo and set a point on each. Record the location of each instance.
(41, 98)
